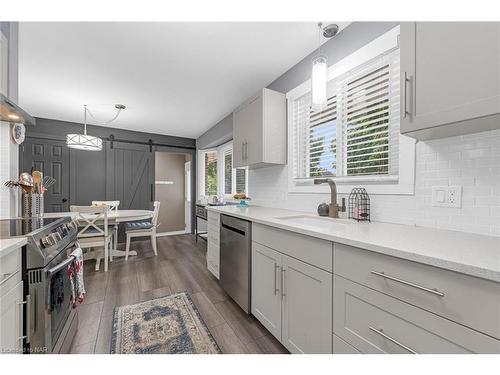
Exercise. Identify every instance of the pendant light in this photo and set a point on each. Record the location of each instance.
(85, 141)
(319, 69)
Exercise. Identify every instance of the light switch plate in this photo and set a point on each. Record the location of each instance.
(447, 196)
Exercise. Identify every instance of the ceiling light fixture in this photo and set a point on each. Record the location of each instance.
(89, 142)
(319, 69)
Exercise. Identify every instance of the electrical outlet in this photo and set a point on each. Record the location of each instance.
(447, 196)
(455, 196)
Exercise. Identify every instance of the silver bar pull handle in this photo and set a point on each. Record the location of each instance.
(28, 318)
(283, 294)
(406, 112)
(386, 336)
(242, 150)
(276, 289)
(429, 290)
(20, 317)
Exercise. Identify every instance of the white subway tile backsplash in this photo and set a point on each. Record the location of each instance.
(472, 161)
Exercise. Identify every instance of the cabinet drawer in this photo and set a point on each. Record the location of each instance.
(308, 249)
(10, 270)
(213, 229)
(213, 218)
(375, 323)
(468, 300)
(341, 347)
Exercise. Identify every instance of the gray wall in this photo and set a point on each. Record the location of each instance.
(59, 129)
(346, 42)
(220, 133)
(88, 169)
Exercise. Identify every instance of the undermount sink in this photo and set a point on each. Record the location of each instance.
(316, 221)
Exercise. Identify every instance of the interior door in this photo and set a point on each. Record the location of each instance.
(307, 308)
(130, 175)
(266, 288)
(187, 196)
(51, 157)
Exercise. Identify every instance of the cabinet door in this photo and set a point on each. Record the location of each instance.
(213, 243)
(238, 138)
(266, 289)
(307, 307)
(255, 138)
(11, 318)
(452, 71)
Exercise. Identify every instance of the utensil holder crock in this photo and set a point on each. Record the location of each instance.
(32, 205)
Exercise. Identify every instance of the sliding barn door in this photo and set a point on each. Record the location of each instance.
(51, 157)
(130, 175)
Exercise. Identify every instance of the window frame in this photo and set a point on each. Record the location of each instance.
(404, 182)
(221, 150)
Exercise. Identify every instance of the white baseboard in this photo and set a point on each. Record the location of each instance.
(174, 233)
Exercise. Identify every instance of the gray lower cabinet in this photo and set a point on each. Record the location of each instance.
(266, 293)
(450, 78)
(307, 307)
(373, 322)
(293, 300)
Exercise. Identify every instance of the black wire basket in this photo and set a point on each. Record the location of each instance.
(359, 205)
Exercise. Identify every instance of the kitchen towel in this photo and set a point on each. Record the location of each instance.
(75, 274)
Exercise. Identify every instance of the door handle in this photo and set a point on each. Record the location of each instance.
(406, 112)
(64, 200)
(152, 193)
(276, 289)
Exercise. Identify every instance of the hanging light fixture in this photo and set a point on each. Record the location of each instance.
(319, 69)
(85, 141)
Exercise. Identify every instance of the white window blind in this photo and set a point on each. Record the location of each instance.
(228, 171)
(241, 180)
(357, 134)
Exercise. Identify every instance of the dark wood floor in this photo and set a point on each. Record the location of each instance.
(179, 266)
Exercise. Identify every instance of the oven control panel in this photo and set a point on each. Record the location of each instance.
(57, 234)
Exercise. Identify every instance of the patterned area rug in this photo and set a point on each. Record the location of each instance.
(169, 325)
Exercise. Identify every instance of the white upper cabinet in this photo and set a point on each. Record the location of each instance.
(450, 78)
(259, 130)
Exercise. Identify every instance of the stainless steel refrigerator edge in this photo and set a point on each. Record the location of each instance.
(236, 259)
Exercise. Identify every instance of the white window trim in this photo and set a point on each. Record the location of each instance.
(201, 171)
(404, 183)
(220, 171)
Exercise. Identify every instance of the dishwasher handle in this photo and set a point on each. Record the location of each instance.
(239, 231)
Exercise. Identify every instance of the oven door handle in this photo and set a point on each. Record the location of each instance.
(60, 266)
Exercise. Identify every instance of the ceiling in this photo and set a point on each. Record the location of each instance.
(175, 78)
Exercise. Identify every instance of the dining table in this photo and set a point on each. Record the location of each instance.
(114, 217)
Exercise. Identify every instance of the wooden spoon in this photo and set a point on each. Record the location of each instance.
(37, 181)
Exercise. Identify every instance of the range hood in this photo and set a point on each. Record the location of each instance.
(11, 112)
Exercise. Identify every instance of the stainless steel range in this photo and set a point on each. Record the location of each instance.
(50, 322)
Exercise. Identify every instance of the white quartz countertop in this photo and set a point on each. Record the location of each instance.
(467, 253)
(8, 245)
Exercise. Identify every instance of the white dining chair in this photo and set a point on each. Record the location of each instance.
(113, 206)
(93, 232)
(143, 229)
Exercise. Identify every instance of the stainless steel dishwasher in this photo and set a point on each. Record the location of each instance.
(236, 259)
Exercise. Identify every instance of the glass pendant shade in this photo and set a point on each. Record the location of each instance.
(84, 142)
(318, 82)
